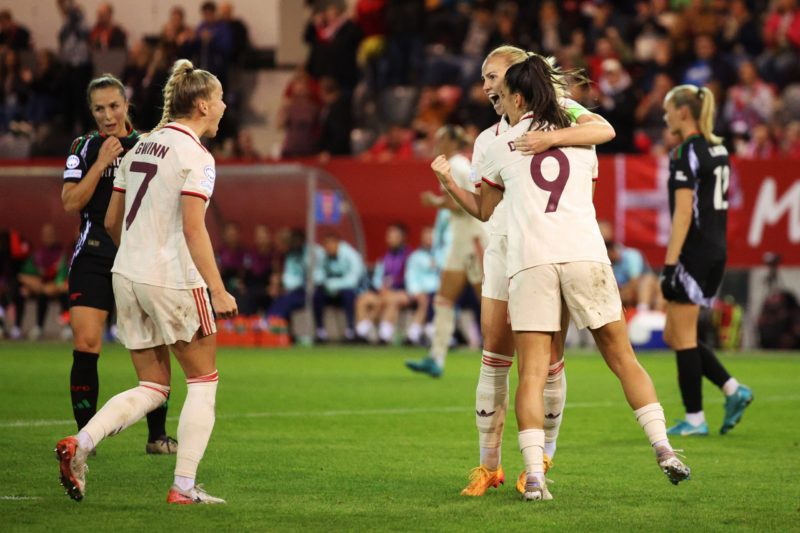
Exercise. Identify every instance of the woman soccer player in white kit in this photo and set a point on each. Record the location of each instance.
(491, 398)
(463, 262)
(555, 252)
(162, 274)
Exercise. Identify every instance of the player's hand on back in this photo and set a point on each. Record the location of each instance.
(534, 142)
(109, 151)
(224, 304)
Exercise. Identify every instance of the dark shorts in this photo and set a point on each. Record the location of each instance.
(698, 281)
(90, 282)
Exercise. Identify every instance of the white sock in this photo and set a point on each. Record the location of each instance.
(491, 405)
(364, 328)
(531, 444)
(730, 387)
(651, 418)
(555, 396)
(444, 323)
(195, 423)
(414, 332)
(696, 419)
(184, 483)
(85, 441)
(124, 410)
(386, 331)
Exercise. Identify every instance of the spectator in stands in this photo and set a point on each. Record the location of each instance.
(422, 282)
(105, 34)
(42, 278)
(750, 102)
(13, 90)
(342, 274)
(240, 39)
(259, 265)
(782, 40)
(333, 40)
(740, 33)
(12, 35)
(405, 20)
(293, 278)
(708, 64)
(790, 146)
(549, 33)
(760, 145)
(244, 148)
(213, 43)
(508, 28)
(231, 261)
(650, 113)
(336, 119)
(383, 305)
(299, 118)
(45, 88)
(73, 40)
(176, 35)
(617, 101)
(475, 110)
(394, 145)
(638, 286)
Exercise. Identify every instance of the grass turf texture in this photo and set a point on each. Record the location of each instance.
(343, 438)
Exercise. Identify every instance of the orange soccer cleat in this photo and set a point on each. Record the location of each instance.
(72, 466)
(481, 478)
(195, 495)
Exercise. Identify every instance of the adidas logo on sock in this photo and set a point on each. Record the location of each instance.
(483, 414)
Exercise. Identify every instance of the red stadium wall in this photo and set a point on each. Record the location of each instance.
(764, 198)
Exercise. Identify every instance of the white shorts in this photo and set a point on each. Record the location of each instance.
(465, 255)
(588, 288)
(495, 280)
(149, 316)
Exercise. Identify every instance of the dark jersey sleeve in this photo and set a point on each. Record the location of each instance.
(687, 166)
(76, 166)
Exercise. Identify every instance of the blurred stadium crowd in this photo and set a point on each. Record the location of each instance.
(383, 75)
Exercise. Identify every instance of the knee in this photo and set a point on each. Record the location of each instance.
(90, 342)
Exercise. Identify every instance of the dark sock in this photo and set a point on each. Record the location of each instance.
(157, 422)
(690, 379)
(84, 386)
(712, 367)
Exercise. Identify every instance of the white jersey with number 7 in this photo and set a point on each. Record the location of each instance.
(548, 197)
(154, 175)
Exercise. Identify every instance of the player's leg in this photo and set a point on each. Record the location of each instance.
(451, 286)
(555, 388)
(534, 350)
(392, 301)
(366, 313)
(320, 300)
(415, 329)
(87, 325)
(348, 298)
(680, 333)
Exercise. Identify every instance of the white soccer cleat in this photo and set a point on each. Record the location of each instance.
(536, 489)
(673, 467)
(195, 495)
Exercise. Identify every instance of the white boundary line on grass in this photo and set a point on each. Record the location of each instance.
(369, 412)
(18, 498)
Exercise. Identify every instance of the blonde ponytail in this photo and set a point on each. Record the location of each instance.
(700, 101)
(184, 86)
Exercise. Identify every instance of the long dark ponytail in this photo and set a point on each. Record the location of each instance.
(542, 86)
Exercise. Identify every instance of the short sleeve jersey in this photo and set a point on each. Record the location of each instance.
(551, 217)
(704, 168)
(94, 240)
(497, 224)
(154, 175)
(464, 227)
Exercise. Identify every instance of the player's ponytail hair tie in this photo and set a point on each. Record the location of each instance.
(700, 93)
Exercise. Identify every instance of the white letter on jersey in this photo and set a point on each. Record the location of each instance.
(769, 210)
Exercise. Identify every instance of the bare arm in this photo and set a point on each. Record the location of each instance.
(469, 201)
(74, 196)
(592, 129)
(681, 220)
(193, 214)
(443, 201)
(114, 213)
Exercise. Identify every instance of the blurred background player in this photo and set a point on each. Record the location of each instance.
(555, 254)
(88, 181)
(422, 281)
(491, 396)
(463, 263)
(164, 268)
(342, 272)
(695, 261)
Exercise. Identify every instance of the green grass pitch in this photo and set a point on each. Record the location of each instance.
(339, 438)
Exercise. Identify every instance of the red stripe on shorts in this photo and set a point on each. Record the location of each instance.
(202, 311)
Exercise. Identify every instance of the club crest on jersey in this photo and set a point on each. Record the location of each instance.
(73, 161)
